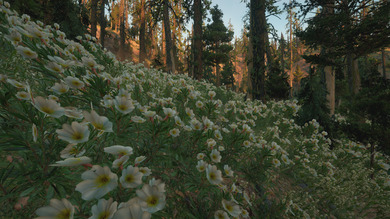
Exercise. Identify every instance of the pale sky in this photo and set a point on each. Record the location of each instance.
(235, 10)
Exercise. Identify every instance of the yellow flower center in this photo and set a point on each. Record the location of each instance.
(76, 83)
(98, 125)
(102, 180)
(129, 178)
(64, 214)
(122, 107)
(77, 136)
(229, 208)
(212, 176)
(152, 201)
(47, 110)
(104, 215)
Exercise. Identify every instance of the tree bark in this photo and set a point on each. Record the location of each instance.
(93, 17)
(198, 35)
(384, 63)
(353, 74)
(142, 31)
(168, 39)
(330, 87)
(103, 23)
(258, 32)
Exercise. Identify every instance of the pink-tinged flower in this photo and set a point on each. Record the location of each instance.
(97, 182)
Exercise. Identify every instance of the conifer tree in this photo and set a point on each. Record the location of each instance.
(217, 37)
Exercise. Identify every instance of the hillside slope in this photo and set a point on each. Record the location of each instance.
(87, 135)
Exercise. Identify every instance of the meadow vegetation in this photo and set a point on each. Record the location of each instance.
(83, 135)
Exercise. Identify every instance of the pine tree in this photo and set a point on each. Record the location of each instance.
(217, 37)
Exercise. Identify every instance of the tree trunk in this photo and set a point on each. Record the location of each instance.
(168, 39)
(353, 74)
(93, 17)
(282, 52)
(103, 23)
(330, 87)
(218, 74)
(142, 37)
(258, 34)
(291, 55)
(198, 32)
(384, 63)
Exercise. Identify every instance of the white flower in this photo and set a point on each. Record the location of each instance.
(123, 105)
(120, 161)
(232, 208)
(49, 107)
(150, 198)
(215, 156)
(199, 104)
(75, 133)
(276, 162)
(145, 170)
(99, 122)
(73, 112)
(158, 183)
(212, 94)
(221, 215)
(57, 209)
(214, 176)
(139, 159)
(228, 170)
(74, 83)
(54, 67)
(23, 95)
(211, 142)
(72, 161)
(169, 112)
(104, 209)
(34, 132)
(149, 114)
(385, 166)
(71, 151)
(26, 52)
(134, 211)
(131, 177)
(218, 135)
(200, 156)
(119, 150)
(88, 62)
(16, 84)
(174, 132)
(137, 119)
(201, 166)
(97, 182)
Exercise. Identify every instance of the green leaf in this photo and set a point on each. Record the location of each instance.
(50, 193)
(27, 191)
